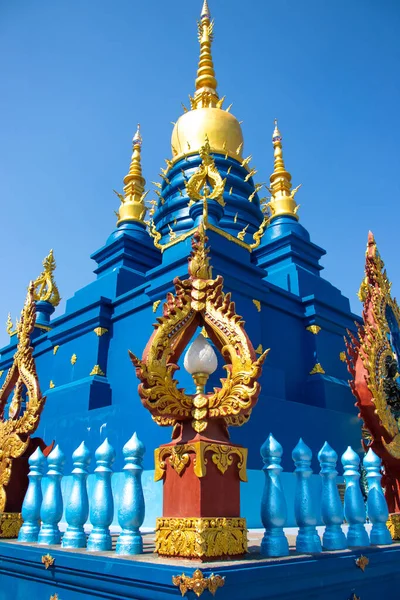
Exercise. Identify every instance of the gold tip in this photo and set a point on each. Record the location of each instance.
(205, 11)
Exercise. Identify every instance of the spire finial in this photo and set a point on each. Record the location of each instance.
(282, 196)
(44, 287)
(132, 202)
(206, 85)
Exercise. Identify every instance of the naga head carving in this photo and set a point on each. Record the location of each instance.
(199, 302)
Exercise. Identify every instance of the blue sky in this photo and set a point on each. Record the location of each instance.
(76, 77)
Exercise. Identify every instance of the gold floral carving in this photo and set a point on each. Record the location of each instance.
(45, 288)
(199, 301)
(201, 537)
(373, 345)
(16, 429)
(206, 174)
(179, 456)
(393, 524)
(10, 524)
(198, 583)
(342, 356)
(48, 560)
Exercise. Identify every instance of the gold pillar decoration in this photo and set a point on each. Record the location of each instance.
(282, 200)
(16, 429)
(132, 206)
(45, 288)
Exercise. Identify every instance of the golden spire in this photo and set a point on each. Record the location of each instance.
(282, 196)
(132, 202)
(44, 287)
(206, 85)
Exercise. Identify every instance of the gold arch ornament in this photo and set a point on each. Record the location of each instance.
(199, 302)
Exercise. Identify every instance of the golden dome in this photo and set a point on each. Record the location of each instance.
(222, 129)
(207, 118)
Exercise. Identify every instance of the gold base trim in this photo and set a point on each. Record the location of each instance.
(393, 524)
(201, 537)
(10, 524)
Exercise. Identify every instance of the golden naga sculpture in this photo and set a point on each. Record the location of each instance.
(44, 287)
(16, 429)
(207, 173)
(199, 302)
(373, 363)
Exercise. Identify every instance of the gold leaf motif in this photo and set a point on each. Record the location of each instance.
(9, 324)
(47, 560)
(342, 356)
(55, 349)
(198, 583)
(74, 358)
(259, 349)
(201, 537)
(257, 304)
(362, 562)
(10, 524)
(314, 329)
(156, 304)
(51, 384)
(317, 368)
(97, 371)
(99, 331)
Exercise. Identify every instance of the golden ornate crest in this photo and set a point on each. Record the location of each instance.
(45, 288)
(206, 174)
(199, 301)
(198, 583)
(381, 315)
(17, 428)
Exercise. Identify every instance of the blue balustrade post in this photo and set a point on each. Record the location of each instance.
(52, 505)
(273, 503)
(307, 538)
(131, 508)
(101, 502)
(331, 506)
(77, 506)
(33, 499)
(354, 507)
(376, 503)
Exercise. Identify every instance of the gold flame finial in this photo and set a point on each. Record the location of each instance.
(132, 202)
(44, 287)
(206, 85)
(282, 196)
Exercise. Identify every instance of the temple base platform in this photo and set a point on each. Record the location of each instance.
(79, 575)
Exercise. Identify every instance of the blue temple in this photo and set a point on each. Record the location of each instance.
(269, 264)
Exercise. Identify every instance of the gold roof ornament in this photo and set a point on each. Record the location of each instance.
(15, 430)
(197, 187)
(207, 116)
(133, 207)
(282, 202)
(45, 288)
